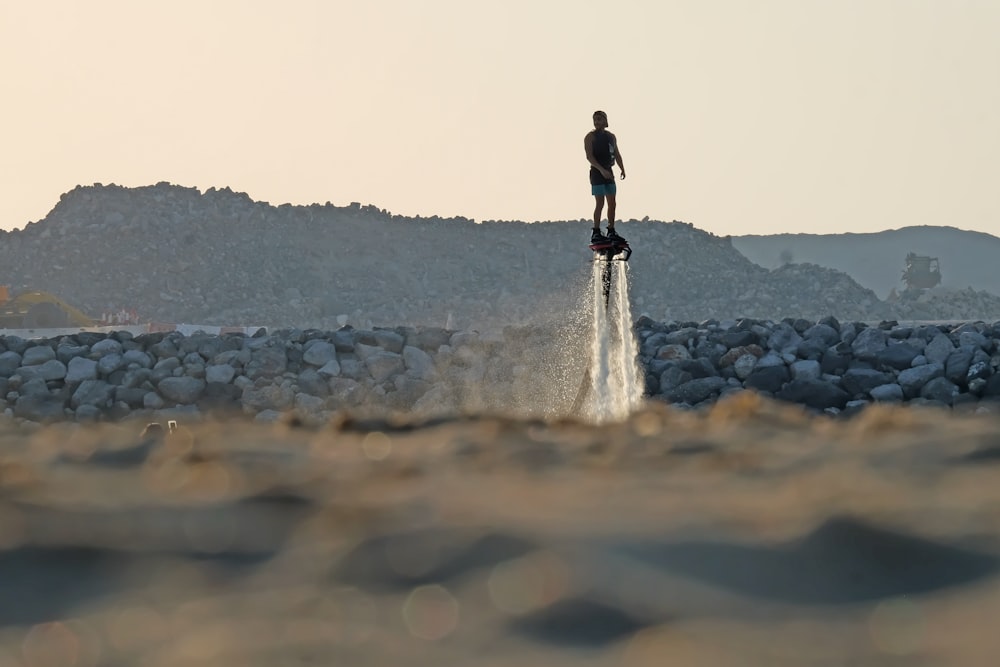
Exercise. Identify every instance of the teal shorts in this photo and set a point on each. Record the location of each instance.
(604, 189)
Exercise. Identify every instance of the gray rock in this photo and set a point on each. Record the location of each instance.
(267, 362)
(460, 338)
(389, 341)
(223, 373)
(363, 351)
(940, 389)
(744, 365)
(771, 359)
(887, 393)
(37, 355)
(353, 369)
(419, 364)
(309, 405)
(27, 373)
(234, 358)
(784, 338)
(65, 352)
(10, 361)
(182, 390)
(956, 366)
(673, 377)
(860, 381)
(103, 347)
(343, 340)
(408, 390)
(869, 344)
(806, 369)
(268, 416)
(673, 352)
(698, 368)
(109, 363)
(912, 380)
(53, 369)
(345, 392)
(767, 378)
(429, 339)
(438, 401)
(164, 349)
(975, 339)
(137, 358)
(898, 355)
(40, 408)
(34, 387)
(811, 349)
(88, 413)
(978, 370)
(384, 365)
(697, 390)
(976, 386)
(939, 348)
(651, 343)
(153, 401)
(992, 387)
(269, 397)
(96, 393)
(80, 369)
(836, 359)
(814, 394)
(193, 360)
(848, 332)
(319, 353)
(740, 338)
(311, 382)
(133, 397)
(209, 347)
(329, 369)
(682, 336)
(164, 368)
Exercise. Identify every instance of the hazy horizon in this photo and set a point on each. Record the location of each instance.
(771, 117)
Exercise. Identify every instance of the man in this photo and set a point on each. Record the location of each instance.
(602, 154)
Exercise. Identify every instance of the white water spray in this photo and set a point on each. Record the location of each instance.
(615, 382)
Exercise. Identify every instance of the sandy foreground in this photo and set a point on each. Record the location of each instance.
(750, 534)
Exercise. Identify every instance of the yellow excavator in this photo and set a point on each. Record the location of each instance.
(34, 309)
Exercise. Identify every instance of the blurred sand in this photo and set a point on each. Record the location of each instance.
(751, 534)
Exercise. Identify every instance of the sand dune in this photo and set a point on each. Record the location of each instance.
(749, 534)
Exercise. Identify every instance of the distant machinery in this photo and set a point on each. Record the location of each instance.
(922, 272)
(34, 309)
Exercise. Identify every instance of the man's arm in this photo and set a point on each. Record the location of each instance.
(618, 158)
(588, 146)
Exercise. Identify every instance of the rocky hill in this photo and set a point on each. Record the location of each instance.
(177, 254)
(877, 260)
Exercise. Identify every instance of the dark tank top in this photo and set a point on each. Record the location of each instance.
(603, 146)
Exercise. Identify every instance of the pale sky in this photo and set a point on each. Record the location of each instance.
(739, 116)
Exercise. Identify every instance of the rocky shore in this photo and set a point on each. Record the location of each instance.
(533, 371)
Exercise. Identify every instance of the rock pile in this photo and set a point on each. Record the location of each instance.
(178, 255)
(97, 376)
(823, 365)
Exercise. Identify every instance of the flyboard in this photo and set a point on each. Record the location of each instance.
(610, 250)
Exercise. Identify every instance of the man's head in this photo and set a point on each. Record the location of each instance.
(600, 119)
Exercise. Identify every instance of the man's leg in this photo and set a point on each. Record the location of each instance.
(611, 211)
(598, 209)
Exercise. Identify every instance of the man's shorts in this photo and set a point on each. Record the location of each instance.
(603, 189)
